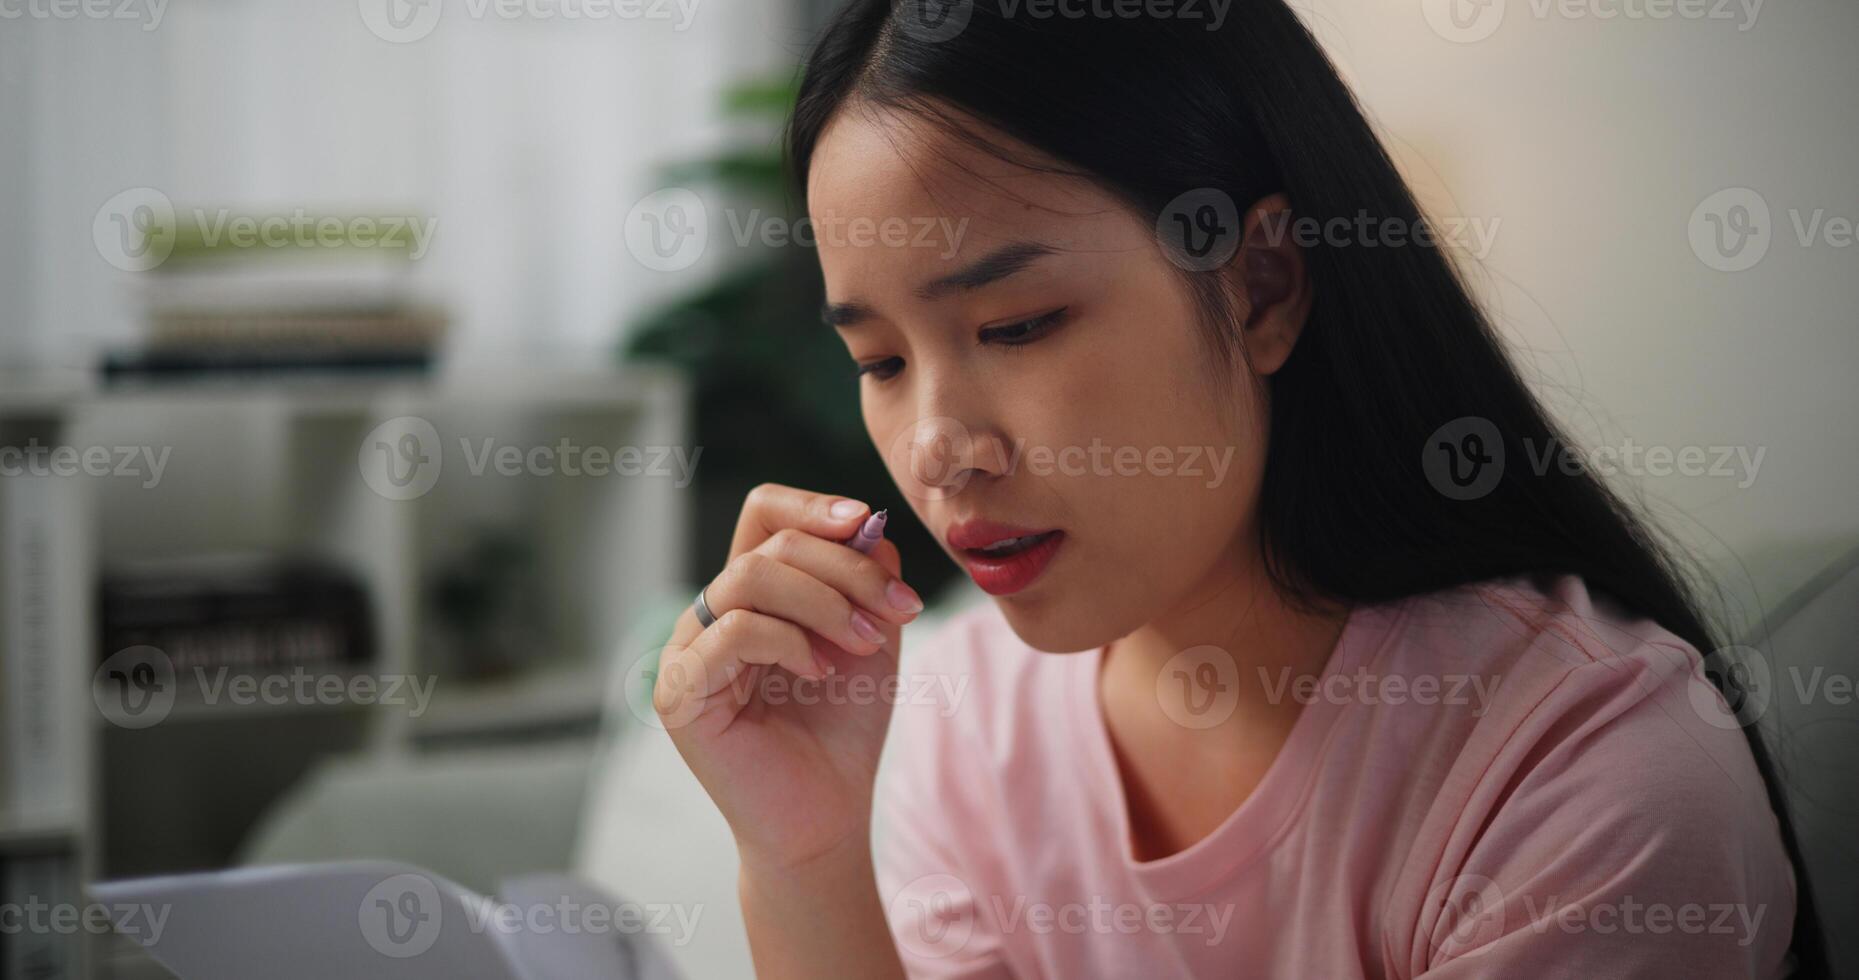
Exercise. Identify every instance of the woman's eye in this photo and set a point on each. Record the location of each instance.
(1006, 335)
(882, 370)
(1025, 331)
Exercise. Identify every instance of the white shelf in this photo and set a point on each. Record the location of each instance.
(29, 832)
(272, 466)
(28, 395)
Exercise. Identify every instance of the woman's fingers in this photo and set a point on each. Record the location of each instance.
(863, 579)
(790, 595)
(764, 583)
(711, 671)
(887, 555)
(771, 507)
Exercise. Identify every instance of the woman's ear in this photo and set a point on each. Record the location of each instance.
(1276, 286)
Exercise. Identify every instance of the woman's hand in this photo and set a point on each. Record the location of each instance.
(781, 705)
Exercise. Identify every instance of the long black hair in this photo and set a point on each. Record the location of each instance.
(1151, 107)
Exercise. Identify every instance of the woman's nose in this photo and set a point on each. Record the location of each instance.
(936, 456)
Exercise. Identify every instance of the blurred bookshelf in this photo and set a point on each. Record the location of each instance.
(506, 593)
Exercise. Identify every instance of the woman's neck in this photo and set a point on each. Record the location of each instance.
(1196, 705)
(1236, 612)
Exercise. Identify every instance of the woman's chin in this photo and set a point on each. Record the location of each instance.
(1055, 627)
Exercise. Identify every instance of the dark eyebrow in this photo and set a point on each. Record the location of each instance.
(996, 265)
(844, 314)
(992, 267)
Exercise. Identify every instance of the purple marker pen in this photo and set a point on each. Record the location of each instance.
(869, 533)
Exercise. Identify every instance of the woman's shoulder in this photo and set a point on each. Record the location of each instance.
(1549, 625)
(1538, 649)
(1603, 774)
(1563, 675)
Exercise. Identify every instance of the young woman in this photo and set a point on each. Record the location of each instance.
(1295, 666)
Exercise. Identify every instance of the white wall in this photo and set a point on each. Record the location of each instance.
(527, 138)
(1590, 142)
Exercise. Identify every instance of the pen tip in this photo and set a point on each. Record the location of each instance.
(881, 514)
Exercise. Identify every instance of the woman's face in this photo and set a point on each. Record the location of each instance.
(1031, 358)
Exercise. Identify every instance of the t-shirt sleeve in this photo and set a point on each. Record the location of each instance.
(929, 820)
(1630, 836)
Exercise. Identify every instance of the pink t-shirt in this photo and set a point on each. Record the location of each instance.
(1491, 781)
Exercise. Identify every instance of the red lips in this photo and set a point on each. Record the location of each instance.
(1006, 573)
(979, 533)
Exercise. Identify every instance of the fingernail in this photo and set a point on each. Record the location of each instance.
(846, 508)
(826, 666)
(903, 598)
(864, 627)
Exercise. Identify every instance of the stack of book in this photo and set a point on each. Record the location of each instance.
(238, 614)
(219, 305)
